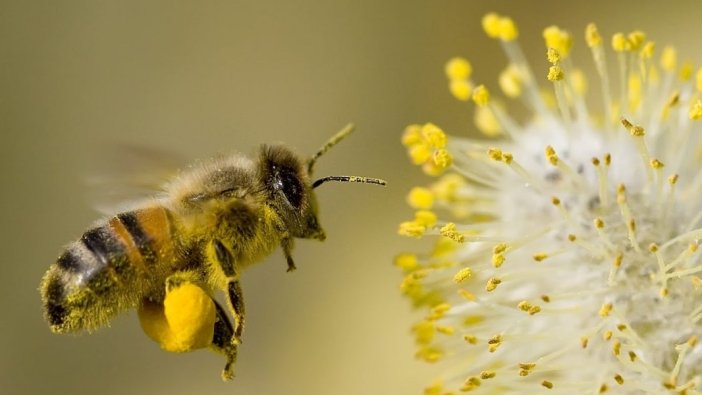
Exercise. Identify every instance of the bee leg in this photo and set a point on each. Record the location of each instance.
(287, 244)
(236, 297)
(222, 342)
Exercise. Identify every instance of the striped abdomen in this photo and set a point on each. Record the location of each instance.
(110, 269)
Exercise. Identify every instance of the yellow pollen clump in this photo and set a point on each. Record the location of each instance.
(184, 322)
(434, 135)
(481, 95)
(462, 275)
(592, 36)
(558, 39)
(510, 81)
(458, 69)
(420, 198)
(555, 73)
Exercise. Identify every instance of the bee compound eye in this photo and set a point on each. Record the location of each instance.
(292, 188)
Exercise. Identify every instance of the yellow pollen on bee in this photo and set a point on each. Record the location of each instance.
(462, 275)
(481, 95)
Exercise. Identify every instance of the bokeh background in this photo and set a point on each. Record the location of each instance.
(78, 78)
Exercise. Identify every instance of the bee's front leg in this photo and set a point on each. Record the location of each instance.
(287, 245)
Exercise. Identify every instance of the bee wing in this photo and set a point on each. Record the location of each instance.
(128, 175)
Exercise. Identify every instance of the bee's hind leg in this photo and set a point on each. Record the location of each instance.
(222, 342)
(235, 296)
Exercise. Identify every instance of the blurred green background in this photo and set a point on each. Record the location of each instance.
(197, 78)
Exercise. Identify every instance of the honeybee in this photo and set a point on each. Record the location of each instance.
(212, 222)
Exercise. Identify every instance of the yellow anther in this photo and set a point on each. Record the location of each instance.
(495, 154)
(692, 247)
(499, 248)
(436, 388)
(635, 130)
(673, 100)
(617, 347)
(634, 85)
(442, 158)
(507, 157)
(420, 153)
(663, 292)
(579, 82)
(487, 374)
(686, 70)
(540, 256)
(592, 36)
(439, 310)
(636, 39)
(498, 260)
(470, 339)
(492, 284)
(470, 384)
(692, 341)
(508, 29)
(618, 261)
(557, 202)
(608, 159)
(619, 379)
(558, 39)
(551, 155)
(491, 25)
(669, 59)
(584, 341)
(467, 295)
(461, 89)
(605, 309)
(412, 135)
(656, 164)
(698, 80)
(620, 43)
(553, 56)
(449, 231)
(595, 161)
(546, 298)
(547, 384)
(434, 135)
(510, 81)
(696, 110)
(621, 327)
(555, 73)
(411, 229)
(486, 122)
(406, 262)
(445, 330)
(607, 335)
(462, 275)
(429, 354)
(524, 305)
(447, 187)
(534, 310)
(420, 198)
(599, 223)
(632, 356)
(458, 69)
(425, 218)
(648, 49)
(423, 332)
(481, 95)
(603, 388)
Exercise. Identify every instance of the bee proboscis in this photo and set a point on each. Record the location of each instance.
(212, 222)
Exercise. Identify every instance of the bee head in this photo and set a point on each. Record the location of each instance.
(289, 190)
(287, 181)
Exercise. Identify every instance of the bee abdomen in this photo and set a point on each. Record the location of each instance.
(105, 271)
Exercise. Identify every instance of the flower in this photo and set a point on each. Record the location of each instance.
(566, 256)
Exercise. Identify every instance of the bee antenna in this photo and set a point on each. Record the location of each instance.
(365, 180)
(330, 143)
